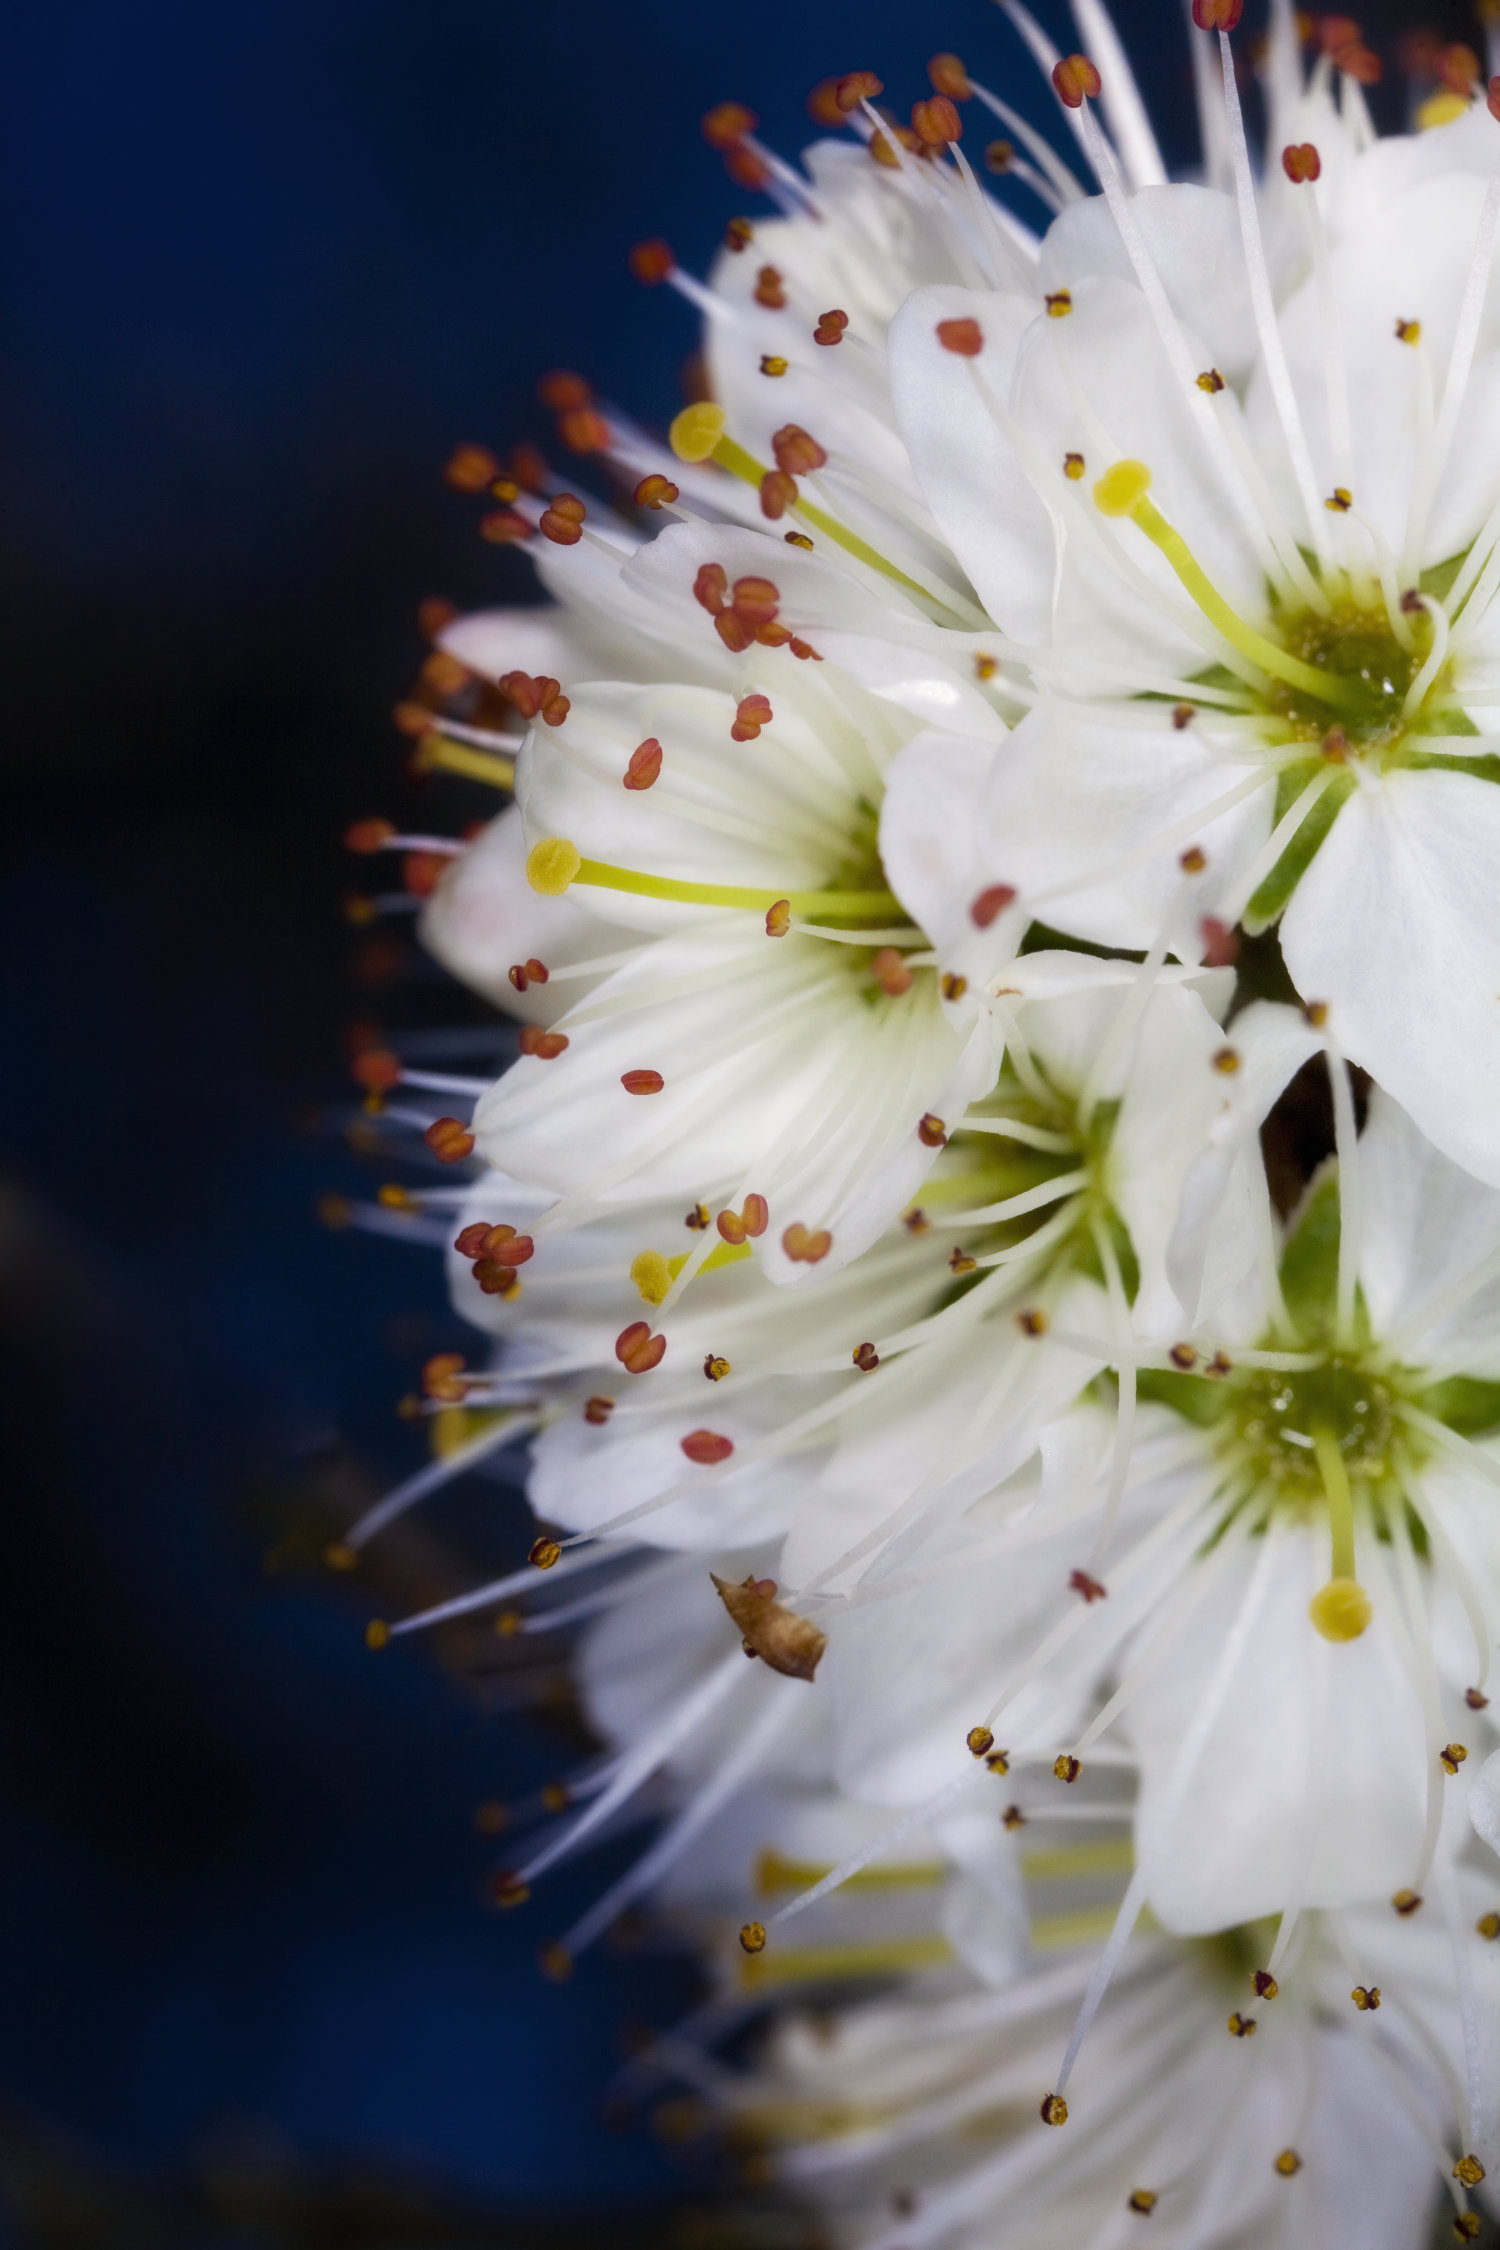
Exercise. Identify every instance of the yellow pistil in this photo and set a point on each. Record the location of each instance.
(814, 1963)
(1340, 1610)
(699, 433)
(1122, 491)
(553, 864)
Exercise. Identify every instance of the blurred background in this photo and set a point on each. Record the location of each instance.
(265, 266)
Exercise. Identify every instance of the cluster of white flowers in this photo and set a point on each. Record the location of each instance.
(1046, 708)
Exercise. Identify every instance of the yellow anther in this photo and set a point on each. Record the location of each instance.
(696, 431)
(1054, 2110)
(753, 1937)
(377, 1633)
(1488, 1926)
(652, 1275)
(340, 1556)
(1121, 489)
(552, 864)
(1408, 332)
(1340, 1610)
(1142, 2200)
(1288, 2162)
(1469, 2170)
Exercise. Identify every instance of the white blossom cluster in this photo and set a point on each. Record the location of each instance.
(1044, 709)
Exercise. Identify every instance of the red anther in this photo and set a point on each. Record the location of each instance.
(449, 1140)
(562, 523)
(1217, 15)
(769, 290)
(366, 836)
(652, 261)
(755, 1214)
(545, 1045)
(494, 1279)
(931, 1131)
(779, 918)
(527, 465)
(756, 600)
(949, 77)
(830, 328)
(1300, 161)
(598, 1410)
(642, 1081)
(888, 968)
(645, 764)
(443, 673)
(503, 527)
(711, 588)
(744, 167)
(751, 714)
(537, 972)
(732, 1227)
(738, 235)
(796, 452)
(1457, 67)
(733, 632)
(999, 156)
(469, 468)
(778, 492)
(823, 104)
(584, 430)
(806, 1245)
(1492, 99)
(637, 1350)
(536, 697)
(857, 86)
(504, 1242)
(420, 872)
(991, 903)
(962, 336)
(804, 649)
(377, 1070)
(1075, 80)
(1337, 32)
(655, 491)
(866, 1358)
(1081, 1582)
(504, 489)
(442, 1377)
(1221, 945)
(727, 123)
(434, 615)
(936, 122)
(562, 388)
(470, 1243)
(1359, 63)
(706, 1447)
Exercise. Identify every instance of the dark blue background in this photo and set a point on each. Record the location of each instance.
(264, 265)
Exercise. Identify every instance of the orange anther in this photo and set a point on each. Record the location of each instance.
(830, 328)
(738, 235)
(752, 712)
(706, 1447)
(377, 1070)
(637, 1350)
(999, 156)
(434, 615)
(563, 389)
(655, 491)
(936, 122)
(1458, 69)
(744, 167)
(527, 465)
(866, 1358)
(779, 918)
(962, 336)
(1336, 32)
(1217, 15)
(931, 1131)
(1359, 63)
(1089, 1588)
(535, 696)
(469, 468)
(857, 86)
(644, 765)
(755, 1214)
(796, 452)
(949, 77)
(769, 291)
(1300, 161)
(449, 1140)
(991, 903)
(755, 600)
(503, 527)
(823, 104)
(504, 1242)
(642, 1081)
(804, 1246)
(442, 1376)
(598, 1410)
(888, 968)
(778, 492)
(1075, 80)
(652, 261)
(584, 430)
(800, 648)
(420, 872)
(495, 1279)
(470, 1241)
(1492, 99)
(711, 588)
(562, 523)
(727, 123)
(545, 1045)
(366, 836)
